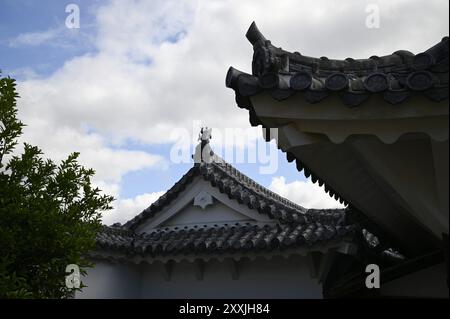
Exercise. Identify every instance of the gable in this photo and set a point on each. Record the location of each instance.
(201, 204)
(216, 213)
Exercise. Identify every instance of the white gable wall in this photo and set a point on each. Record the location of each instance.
(182, 212)
(218, 213)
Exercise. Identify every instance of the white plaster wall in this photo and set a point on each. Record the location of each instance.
(216, 213)
(182, 212)
(276, 278)
(111, 280)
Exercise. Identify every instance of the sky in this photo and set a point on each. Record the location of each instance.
(132, 82)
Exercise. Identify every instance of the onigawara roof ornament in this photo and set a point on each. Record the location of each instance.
(203, 151)
(205, 134)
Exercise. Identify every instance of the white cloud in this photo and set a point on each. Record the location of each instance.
(34, 38)
(110, 164)
(125, 209)
(304, 193)
(141, 84)
(161, 65)
(60, 38)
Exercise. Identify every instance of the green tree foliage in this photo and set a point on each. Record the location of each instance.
(49, 213)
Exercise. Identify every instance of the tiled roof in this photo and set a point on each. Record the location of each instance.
(396, 77)
(221, 239)
(293, 226)
(319, 227)
(283, 74)
(238, 187)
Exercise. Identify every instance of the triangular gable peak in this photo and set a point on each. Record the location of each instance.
(213, 192)
(215, 210)
(202, 205)
(216, 192)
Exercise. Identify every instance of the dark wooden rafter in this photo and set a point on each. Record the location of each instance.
(199, 265)
(234, 268)
(166, 270)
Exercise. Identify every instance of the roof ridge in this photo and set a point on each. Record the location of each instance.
(242, 177)
(396, 76)
(255, 195)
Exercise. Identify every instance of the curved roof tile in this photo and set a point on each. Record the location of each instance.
(236, 185)
(395, 77)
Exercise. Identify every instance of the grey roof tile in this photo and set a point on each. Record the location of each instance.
(396, 77)
(292, 225)
(233, 183)
(219, 239)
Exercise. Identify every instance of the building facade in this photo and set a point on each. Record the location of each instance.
(218, 234)
(374, 132)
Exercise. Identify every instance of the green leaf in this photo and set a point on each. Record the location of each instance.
(49, 213)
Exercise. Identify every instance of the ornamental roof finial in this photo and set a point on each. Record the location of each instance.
(203, 151)
(205, 134)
